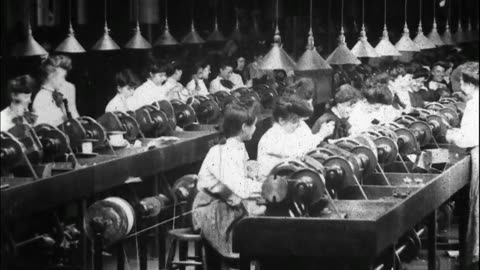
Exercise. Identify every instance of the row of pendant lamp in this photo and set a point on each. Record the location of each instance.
(71, 45)
(277, 58)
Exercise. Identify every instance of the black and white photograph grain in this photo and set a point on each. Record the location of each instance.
(239, 135)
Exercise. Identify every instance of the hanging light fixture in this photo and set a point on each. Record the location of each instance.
(406, 44)
(342, 55)
(277, 58)
(311, 59)
(193, 37)
(236, 34)
(363, 47)
(447, 35)
(105, 43)
(30, 47)
(216, 35)
(460, 36)
(70, 44)
(385, 47)
(138, 41)
(421, 40)
(166, 39)
(256, 33)
(434, 36)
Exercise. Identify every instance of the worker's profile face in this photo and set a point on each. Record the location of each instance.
(468, 89)
(241, 63)
(158, 78)
(226, 72)
(248, 130)
(206, 72)
(438, 73)
(126, 91)
(289, 125)
(20, 103)
(345, 109)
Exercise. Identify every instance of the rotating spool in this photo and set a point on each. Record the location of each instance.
(206, 110)
(223, 99)
(152, 121)
(55, 143)
(420, 129)
(246, 95)
(386, 144)
(184, 114)
(11, 151)
(25, 134)
(406, 140)
(120, 121)
(75, 132)
(94, 131)
(166, 107)
(267, 95)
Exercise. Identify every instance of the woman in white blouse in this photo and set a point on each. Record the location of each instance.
(197, 87)
(289, 136)
(226, 190)
(126, 83)
(56, 98)
(467, 136)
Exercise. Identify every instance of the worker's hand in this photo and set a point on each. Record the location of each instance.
(234, 200)
(327, 129)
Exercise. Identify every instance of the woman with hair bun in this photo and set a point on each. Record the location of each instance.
(289, 136)
(341, 107)
(226, 191)
(376, 108)
(20, 91)
(56, 99)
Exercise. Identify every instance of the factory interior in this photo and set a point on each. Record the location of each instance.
(239, 134)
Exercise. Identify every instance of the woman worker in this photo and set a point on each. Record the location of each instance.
(289, 136)
(197, 87)
(20, 90)
(467, 136)
(339, 112)
(126, 83)
(56, 99)
(226, 191)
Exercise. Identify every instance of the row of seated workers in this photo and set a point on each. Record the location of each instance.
(363, 95)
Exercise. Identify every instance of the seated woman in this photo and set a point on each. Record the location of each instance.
(56, 99)
(376, 108)
(289, 136)
(197, 87)
(467, 136)
(20, 91)
(339, 111)
(151, 90)
(405, 87)
(226, 191)
(126, 83)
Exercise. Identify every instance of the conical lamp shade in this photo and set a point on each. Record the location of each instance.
(138, 42)
(105, 43)
(434, 36)
(447, 36)
(406, 44)
(70, 44)
(237, 34)
(422, 41)
(311, 59)
(256, 33)
(216, 35)
(363, 47)
(385, 47)
(460, 35)
(193, 37)
(342, 55)
(30, 47)
(166, 39)
(277, 58)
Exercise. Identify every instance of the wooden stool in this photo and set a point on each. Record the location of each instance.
(186, 236)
